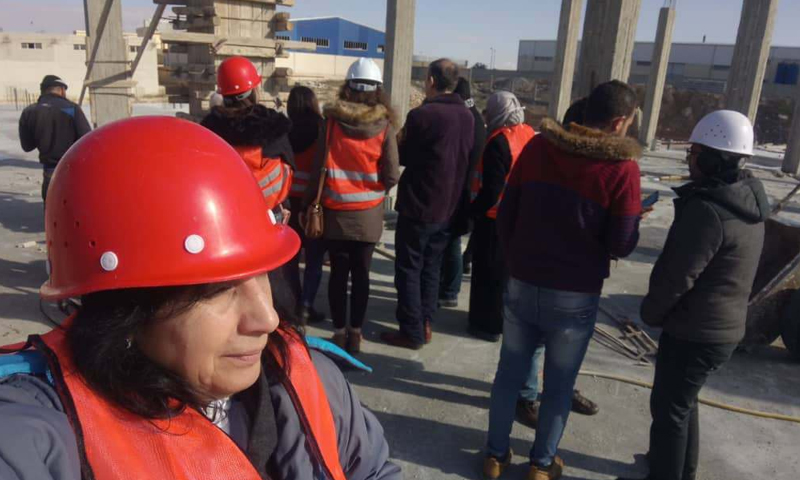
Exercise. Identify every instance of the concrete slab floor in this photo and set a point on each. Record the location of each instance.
(433, 403)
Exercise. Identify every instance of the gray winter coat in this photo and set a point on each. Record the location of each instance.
(43, 445)
(702, 281)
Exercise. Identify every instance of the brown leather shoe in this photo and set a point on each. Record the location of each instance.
(583, 405)
(340, 340)
(493, 467)
(400, 339)
(428, 331)
(528, 413)
(353, 342)
(552, 473)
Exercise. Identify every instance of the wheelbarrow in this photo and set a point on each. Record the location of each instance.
(774, 307)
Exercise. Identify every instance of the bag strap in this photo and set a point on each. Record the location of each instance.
(324, 174)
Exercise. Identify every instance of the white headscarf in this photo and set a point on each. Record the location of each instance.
(504, 110)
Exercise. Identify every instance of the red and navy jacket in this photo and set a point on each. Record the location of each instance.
(572, 203)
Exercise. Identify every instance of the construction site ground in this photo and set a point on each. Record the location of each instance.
(433, 403)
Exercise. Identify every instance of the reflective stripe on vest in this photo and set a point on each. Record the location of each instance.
(353, 178)
(187, 446)
(273, 175)
(518, 137)
(302, 175)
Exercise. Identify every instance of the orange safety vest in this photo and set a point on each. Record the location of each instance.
(353, 178)
(115, 444)
(302, 175)
(518, 136)
(273, 175)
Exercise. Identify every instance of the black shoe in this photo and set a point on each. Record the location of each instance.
(481, 335)
(448, 303)
(309, 315)
(583, 405)
(528, 413)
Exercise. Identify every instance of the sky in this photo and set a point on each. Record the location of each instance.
(462, 29)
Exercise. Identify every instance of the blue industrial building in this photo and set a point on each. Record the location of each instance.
(337, 36)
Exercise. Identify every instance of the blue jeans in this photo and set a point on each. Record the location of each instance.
(564, 323)
(312, 275)
(452, 270)
(420, 247)
(531, 390)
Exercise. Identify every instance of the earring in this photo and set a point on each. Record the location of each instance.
(128, 343)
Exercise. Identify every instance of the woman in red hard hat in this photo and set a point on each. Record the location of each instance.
(258, 133)
(177, 364)
(359, 153)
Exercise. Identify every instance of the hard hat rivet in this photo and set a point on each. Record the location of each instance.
(194, 244)
(109, 261)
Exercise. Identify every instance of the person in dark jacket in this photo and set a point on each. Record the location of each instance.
(359, 153)
(701, 284)
(509, 136)
(435, 148)
(572, 203)
(453, 261)
(51, 125)
(307, 123)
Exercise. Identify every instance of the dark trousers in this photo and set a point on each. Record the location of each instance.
(47, 175)
(314, 258)
(349, 261)
(419, 248)
(488, 279)
(452, 270)
(681, 371)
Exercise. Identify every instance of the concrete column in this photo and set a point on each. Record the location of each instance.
(110, 97)
(399, 54)
(658, 76)
(750, 56)
(566, 50)
(608, 37)
(791, 161)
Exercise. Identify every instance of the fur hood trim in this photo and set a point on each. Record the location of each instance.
(258, 126)
(356, 113)
(589, 142)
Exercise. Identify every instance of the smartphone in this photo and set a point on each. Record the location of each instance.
(650, 200)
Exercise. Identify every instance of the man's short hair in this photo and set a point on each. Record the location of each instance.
(608, 101)
(445, 75)
(576, 112)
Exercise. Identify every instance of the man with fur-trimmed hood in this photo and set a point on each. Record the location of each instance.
(572, 203)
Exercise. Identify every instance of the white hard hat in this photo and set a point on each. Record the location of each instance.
(216, 100)
(364, 75)
(725, 130)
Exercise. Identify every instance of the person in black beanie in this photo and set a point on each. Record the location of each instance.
(453, 263)
(51, 125)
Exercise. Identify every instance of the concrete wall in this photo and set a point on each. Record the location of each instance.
(63, 55)
(321, 67)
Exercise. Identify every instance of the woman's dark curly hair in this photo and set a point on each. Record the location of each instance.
(98, 339)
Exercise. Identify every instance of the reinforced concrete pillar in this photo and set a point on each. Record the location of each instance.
(399, 54)
(791, 161)
(566, 50)
(658, 76)
(109, 91)
(608, 38)
(750, 56)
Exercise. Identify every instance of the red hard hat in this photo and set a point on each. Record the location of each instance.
(237, 75)
(152, 202)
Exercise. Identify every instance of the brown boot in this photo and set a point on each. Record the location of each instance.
(400, 339)
(340, 340)
(583, 405)
(493, 467)
(528, 413)
(552, 473)
(353, 342)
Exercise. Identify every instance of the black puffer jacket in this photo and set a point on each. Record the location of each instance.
(258, 126)
(702, 281)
